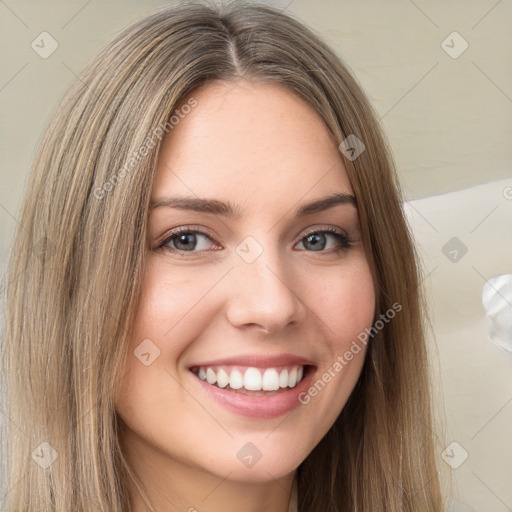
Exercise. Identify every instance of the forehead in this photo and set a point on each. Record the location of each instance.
(258, 141)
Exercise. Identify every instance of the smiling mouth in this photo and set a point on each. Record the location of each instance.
(251, 380)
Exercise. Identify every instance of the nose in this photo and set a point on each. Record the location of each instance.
(264, 295)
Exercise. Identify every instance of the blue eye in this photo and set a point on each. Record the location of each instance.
(189, 240)
(317, 240)
(185, 240)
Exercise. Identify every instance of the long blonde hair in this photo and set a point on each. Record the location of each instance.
(78, 257)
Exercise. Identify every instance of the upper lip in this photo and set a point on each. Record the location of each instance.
(257, 360)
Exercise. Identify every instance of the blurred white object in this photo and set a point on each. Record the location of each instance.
(497, 301)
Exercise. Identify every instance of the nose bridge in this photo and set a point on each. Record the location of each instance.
(263, 290)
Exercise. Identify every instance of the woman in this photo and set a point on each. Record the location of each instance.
(213, 303)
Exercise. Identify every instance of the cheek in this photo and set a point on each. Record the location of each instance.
(346, 303)
(346, 307)
(172, 309)
(168, 317)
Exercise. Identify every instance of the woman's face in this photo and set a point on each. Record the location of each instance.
(260, 285)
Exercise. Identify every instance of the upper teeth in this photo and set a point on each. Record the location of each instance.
(253, 379)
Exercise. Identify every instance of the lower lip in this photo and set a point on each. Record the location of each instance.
(258, 407)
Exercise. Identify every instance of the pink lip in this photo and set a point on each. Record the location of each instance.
(259, 407)
(257, 361)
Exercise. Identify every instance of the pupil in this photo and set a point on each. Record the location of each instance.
(183, 239)
(315, 240)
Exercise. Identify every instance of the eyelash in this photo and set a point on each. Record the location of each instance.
(344, 241)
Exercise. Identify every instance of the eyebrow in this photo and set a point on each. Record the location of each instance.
(227, 209)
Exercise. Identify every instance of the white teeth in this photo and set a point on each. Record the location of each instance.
(283, 379)
(270, 380)
(252, 379)
(236, 379)
(211, 376)
(222, 378)
(292, 378)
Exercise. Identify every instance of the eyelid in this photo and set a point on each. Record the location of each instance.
(328, 229)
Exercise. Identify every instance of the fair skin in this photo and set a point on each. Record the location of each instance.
(291, 291)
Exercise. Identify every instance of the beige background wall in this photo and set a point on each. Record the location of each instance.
(448, 120)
